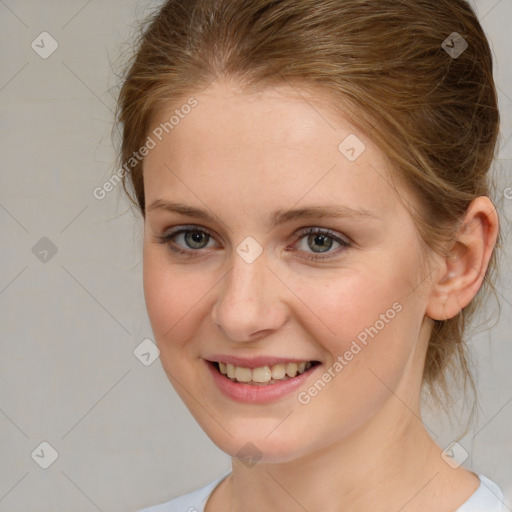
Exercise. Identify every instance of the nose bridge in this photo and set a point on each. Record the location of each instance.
(245, 304)
(245, 285)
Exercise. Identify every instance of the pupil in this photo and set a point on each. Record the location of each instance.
(322, 240)
(195, 238)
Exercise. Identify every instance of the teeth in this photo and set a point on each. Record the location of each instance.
(278, 371)
(291, 369)
(243, 374)
(264, 374)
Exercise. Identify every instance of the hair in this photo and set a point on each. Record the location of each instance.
(382, 64)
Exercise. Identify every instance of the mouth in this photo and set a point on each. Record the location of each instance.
(263, 375)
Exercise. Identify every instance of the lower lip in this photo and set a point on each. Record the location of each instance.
(257, 394)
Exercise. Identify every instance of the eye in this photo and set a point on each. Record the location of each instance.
(321, 241)
(186, 239)
(318, 243)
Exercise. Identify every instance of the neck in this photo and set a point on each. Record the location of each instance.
(375, 468)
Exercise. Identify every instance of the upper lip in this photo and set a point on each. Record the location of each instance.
(255, 362)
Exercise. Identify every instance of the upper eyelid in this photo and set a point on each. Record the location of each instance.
(186, 228)
(196, 227)
(178, 230)
(330, 232)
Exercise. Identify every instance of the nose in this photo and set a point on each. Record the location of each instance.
(248, 306)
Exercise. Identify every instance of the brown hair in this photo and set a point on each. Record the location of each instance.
(381, 62)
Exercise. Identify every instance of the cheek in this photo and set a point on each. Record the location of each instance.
(173, 297)
(353, 306)
(368, 320)
(376, 324)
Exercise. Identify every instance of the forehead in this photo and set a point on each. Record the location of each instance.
(280, 145)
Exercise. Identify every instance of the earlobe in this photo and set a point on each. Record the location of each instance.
(463, 270)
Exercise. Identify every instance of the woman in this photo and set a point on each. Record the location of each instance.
(313, 180)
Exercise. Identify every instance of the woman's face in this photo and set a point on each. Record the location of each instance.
(273, 237)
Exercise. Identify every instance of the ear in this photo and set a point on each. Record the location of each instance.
(462, 271)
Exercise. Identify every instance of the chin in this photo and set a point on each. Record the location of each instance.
(257, 442)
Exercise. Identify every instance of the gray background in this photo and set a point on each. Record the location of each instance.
(71, 320)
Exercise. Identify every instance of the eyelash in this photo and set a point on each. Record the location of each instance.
(168, 238)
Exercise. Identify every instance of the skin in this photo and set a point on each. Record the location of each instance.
(360, 443)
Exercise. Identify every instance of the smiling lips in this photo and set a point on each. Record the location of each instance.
(263, 375)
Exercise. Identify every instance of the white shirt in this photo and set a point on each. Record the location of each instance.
(487, 498)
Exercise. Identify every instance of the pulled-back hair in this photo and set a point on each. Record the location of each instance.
(386, 65)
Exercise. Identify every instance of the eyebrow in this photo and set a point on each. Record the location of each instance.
(275, 219)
